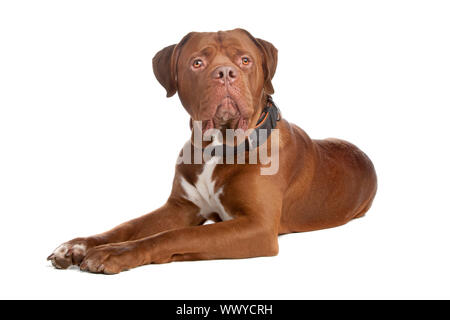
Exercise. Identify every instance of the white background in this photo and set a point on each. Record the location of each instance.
(88, 140)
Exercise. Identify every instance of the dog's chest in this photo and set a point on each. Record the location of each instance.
(204, 194)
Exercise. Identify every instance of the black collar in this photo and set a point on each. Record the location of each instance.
(266, 122)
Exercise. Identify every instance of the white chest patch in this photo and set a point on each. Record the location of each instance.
(202, 192)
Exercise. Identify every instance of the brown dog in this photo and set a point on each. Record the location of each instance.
(224, 80)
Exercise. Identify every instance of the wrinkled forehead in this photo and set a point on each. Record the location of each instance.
(228, 42)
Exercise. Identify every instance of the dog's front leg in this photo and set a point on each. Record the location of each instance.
(176, 213)
(239, 238)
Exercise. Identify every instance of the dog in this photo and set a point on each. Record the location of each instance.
(224, 81)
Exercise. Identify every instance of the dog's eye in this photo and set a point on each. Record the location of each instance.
(245, 61)
(197, 63)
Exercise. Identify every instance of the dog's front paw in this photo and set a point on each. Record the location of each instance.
(110, 258)
(69, 253)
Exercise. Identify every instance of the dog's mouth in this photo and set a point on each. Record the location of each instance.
(227, 116)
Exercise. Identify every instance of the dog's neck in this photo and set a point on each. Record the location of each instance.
(257, 135)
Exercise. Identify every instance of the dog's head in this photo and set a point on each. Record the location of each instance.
(222, 78)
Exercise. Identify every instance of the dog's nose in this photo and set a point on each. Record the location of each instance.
(225, 74)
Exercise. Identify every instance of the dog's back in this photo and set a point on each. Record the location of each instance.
(341, 184)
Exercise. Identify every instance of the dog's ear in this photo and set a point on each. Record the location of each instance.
(162, 68)
(270, 60)
(270, 54)
(165, 65)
